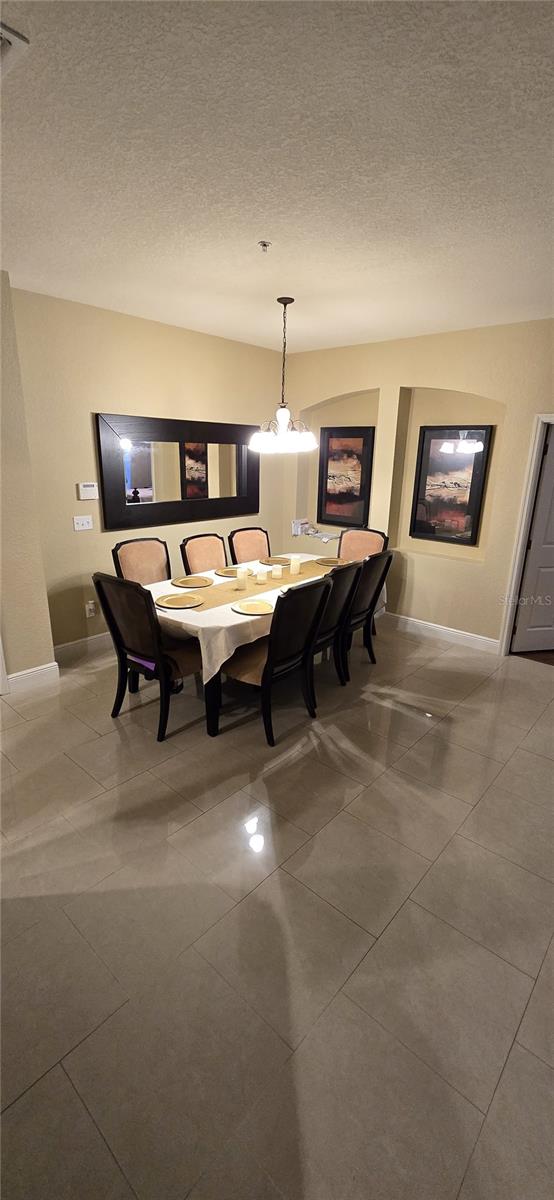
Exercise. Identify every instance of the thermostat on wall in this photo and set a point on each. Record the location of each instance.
(87, 491)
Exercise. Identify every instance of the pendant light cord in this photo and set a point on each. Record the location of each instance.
(284, 356)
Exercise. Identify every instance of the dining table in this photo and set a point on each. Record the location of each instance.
(216, 624)
(219, 629)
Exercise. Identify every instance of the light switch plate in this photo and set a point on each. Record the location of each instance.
(80, 523)
(87, 491)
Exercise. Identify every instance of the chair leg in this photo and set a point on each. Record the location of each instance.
(308, 687)
(337, 658)
(344, 648)
(368, 642)
(373, 627)
(165, 698)
(121, 687)
(133, 682)
(266, 714)
(212, 700)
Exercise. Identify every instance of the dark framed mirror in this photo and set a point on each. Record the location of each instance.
(158, 471)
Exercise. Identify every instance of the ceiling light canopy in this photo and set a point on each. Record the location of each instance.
(283, 435)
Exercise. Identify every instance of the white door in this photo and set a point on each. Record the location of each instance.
(534, 626)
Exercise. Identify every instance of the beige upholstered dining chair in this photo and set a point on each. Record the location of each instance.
(248, 544)
(142, 560)
(203, 552)
(356, 544)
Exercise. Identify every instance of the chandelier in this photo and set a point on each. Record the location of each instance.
(283, 435)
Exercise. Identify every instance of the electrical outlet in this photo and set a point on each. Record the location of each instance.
(90, 608)
(80, 523)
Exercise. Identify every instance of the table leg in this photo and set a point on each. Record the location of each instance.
(212, 700)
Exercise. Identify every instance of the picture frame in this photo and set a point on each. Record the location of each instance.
(449, 483)
(345, 469)
(122, 509)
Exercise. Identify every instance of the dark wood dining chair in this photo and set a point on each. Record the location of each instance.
(203, 552)
(246, 545)
(343, 582)
(369, 584)
(262, 663)
(142, 560)
(141, 646)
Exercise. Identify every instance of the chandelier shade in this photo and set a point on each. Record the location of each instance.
(282, 434)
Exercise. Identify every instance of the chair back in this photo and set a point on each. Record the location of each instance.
(130, 615)
(142, 560)
(356, 544)
(246, 545)
(295, 624)
(203, 552)
(343, 580)
(371, 578)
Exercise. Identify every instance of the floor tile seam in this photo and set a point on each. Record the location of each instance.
(530, 997)
(118, 783)
(471, 749)
(340, 911)
(6, 941)
(58, 1062)
(491, 1102)
(389, 836)
(248, 1004)
(66, 754)
(74, 895)
(351, 778)
(92, 948)
(111, 1152)
(493, 761)
(476, 942)
(106, 792)
(533, 1053)
(504, 857)
(59, 813)
(412, 890)
(419, 1057)
(259, 803)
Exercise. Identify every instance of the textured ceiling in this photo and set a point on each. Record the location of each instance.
(397, 155)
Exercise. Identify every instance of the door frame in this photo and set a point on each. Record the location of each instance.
(534, 463)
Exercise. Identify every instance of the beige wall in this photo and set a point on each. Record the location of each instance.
(26, 635)
(77, 360)
(503, 376)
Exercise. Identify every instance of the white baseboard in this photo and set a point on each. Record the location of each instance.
(458, 637)
(68, 653)
(18, 681)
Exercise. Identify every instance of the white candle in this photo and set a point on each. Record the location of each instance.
(294, 564)
(261, 575)
(242, 576)
(277, 571)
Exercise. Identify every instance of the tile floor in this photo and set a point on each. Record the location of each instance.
(319, 972)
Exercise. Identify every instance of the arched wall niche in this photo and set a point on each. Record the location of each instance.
(458, 587)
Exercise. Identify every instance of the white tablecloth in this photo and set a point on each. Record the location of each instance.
(219, 630)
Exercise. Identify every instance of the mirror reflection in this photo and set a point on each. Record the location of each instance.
(158, 471)
(151, 471)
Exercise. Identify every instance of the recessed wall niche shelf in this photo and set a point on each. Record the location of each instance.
(158, 471)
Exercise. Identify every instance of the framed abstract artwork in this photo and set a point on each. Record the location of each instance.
(194, 470)
(450, 477)
(345, 464)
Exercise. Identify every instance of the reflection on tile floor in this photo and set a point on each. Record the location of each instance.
(238, 973)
